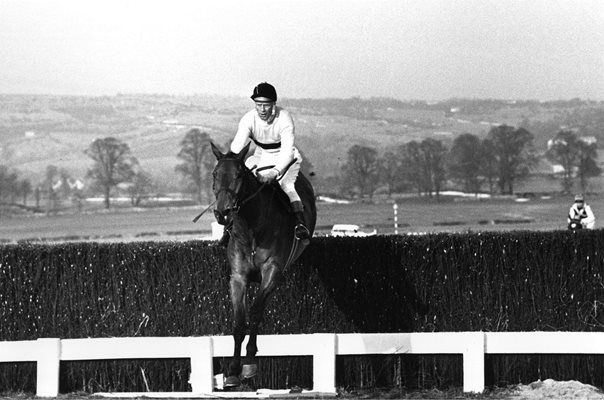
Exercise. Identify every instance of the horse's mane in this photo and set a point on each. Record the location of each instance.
(234, 157)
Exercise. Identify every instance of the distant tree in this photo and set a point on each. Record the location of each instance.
(433, 165)
(564, 150)
(24, 189)
(51, 181)
(587, 166)
(8, 183)
(347, 186)
(488, 163)
(141, 187)
(57, 188)
(77, 194)
(64, 188)
(514, 155)
(412, 165)
(197, 162)
(361, 169)
(464, 161)
(113, 164)
(37, 196)
(390, 172)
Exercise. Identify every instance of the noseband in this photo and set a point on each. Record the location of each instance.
(236, 206)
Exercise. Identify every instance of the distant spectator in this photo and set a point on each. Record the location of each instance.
(580, 212)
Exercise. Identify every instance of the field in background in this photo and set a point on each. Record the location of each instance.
(414, 216)
(38, 131)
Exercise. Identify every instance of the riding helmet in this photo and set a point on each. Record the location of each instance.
(266, 90)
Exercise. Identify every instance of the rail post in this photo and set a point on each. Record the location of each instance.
(202, 368)
(47, 368)
(473, 362)
(324, 362)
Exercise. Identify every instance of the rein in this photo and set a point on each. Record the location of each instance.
(242, 202)
(251, 196)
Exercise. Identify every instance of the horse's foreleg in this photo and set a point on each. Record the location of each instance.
(238, 290)
(270, 278)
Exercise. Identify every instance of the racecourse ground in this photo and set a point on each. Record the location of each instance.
(414, 215)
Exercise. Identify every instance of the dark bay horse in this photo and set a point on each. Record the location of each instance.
(261, 245)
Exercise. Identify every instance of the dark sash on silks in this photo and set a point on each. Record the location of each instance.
(267, 146)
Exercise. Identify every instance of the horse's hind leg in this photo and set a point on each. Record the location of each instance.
(270, 278)
(238, 290)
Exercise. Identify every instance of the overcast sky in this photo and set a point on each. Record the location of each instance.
(406, 49)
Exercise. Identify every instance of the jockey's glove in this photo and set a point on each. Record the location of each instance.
(268, 175)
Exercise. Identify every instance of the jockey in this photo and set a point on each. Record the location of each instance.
(271, 128)
(582, 211)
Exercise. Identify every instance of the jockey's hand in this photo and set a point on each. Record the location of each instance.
(268, 175)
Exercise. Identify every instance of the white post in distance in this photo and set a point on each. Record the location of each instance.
(395, 209)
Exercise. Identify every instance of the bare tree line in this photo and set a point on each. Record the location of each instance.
(114, 170)
(493, 164)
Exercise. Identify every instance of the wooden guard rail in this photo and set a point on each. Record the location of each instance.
(323, 347)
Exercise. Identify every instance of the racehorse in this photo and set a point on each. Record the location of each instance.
(261, 246)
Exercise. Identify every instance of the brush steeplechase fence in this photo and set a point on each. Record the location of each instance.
(323, 347)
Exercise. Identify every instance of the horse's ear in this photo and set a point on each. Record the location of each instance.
(244, 151)
(216, 151)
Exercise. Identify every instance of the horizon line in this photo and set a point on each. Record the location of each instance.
(409, 100)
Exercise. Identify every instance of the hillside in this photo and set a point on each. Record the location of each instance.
(37, 131)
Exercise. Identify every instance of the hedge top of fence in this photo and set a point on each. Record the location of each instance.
(521, 280)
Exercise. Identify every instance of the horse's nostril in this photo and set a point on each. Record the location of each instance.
(222, 217)
(219, 216)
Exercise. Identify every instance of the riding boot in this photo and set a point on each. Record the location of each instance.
(301, 231)
(224, 240)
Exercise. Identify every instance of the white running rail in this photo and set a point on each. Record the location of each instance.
(323, 347)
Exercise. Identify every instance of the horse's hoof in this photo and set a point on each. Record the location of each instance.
(232, 381)
(249, 371)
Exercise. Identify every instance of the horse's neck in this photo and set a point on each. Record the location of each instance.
(261, 209)
(250, 192)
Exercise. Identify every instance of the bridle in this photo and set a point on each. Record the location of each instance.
(235, 194)
(239, 203)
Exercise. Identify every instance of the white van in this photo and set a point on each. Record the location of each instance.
(349, 230)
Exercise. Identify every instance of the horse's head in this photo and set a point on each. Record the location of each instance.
(229, 175)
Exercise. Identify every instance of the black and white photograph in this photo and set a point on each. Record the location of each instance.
(302, 199)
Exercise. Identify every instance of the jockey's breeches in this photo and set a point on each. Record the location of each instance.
(262, 158)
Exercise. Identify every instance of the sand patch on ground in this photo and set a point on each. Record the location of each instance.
(551, 389)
